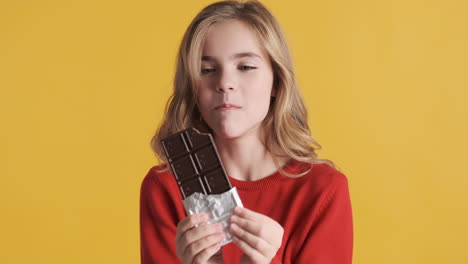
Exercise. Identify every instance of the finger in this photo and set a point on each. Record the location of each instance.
(253, 227)
(248, 250)
(200, 245)
(256, 228)
(255, 242)
(195, 234)
(248, 214)
(206, 254)
(189, 223)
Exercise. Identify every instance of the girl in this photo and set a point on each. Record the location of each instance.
(235, 80)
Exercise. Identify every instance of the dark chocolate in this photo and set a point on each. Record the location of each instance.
(195, 163)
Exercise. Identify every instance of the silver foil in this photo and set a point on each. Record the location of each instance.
(219, 207)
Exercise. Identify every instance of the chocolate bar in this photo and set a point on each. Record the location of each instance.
(195, 163)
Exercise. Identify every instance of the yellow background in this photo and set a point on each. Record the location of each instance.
(83, 85)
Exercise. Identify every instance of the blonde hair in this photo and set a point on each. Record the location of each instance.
(286, 121)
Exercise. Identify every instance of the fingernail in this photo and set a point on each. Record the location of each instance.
(234, 228)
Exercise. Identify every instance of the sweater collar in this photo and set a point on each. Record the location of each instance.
(292, 166)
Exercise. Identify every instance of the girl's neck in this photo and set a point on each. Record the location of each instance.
(246, 158)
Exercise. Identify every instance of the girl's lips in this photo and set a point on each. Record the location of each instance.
(225, 107)
(229, 108)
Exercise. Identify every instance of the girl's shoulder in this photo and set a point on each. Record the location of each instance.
(159, 178)
(159, 173)
(321, 175)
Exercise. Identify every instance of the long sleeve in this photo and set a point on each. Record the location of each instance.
(330, 240)
(159, 216)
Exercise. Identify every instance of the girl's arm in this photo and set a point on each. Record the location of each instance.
(330, 240)
(158, 223)
(160, 211)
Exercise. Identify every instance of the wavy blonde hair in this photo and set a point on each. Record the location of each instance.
(286, 121)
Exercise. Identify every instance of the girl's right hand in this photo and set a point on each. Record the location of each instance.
(199, 244)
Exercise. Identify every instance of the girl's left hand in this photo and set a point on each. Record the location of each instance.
(257, 235)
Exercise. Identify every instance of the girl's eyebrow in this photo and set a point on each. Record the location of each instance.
(235, 56)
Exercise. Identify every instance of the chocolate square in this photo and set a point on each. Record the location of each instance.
(195, 163)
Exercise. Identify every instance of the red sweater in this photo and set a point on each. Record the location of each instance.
(314, 210)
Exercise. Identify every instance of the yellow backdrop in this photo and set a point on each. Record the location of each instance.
(84, 83)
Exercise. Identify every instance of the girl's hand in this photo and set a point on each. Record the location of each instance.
(200, 244)
(257, 235)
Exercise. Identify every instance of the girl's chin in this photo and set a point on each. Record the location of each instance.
(232, 134)
(228, 132)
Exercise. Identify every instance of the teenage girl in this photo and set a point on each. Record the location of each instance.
(235, 80)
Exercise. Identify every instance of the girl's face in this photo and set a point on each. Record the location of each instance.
(236, 81)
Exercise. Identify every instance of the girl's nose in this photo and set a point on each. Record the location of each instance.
(225, 88)
(226, 82)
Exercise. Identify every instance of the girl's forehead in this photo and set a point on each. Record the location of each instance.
(246, 54)
(232, 40)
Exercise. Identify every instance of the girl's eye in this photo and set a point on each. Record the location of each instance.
(207, 70)
(247, 68)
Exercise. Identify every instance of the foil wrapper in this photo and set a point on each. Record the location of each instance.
(219, 207)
